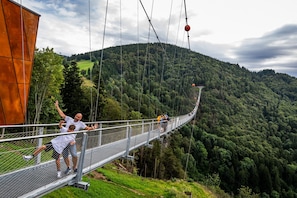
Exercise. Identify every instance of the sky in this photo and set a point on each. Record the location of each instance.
(256, 34)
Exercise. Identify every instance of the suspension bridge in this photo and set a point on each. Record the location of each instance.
(111, 141)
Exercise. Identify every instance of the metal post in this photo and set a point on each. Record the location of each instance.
(152, 125)
(81, 158)
(148, 137)
(100, 135)
(76, 182)
(39, 144)
(129, 131)
(142, 130)
(159, 130)
(3, 131)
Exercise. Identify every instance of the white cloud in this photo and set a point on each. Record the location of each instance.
(244, 32)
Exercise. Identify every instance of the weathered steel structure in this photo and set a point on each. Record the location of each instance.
(18, 33)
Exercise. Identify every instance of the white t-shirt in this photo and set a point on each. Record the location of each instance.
(60, 142)
(79, 125)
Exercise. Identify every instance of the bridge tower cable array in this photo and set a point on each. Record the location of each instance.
(165, 57)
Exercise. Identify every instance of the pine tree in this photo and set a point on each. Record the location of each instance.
(71, 91)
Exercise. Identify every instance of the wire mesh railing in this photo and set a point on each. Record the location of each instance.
(17, 141)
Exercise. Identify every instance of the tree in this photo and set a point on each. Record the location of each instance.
(246, 192)
(71, 91)
(265, 179)
(112, 110)
(45, 86)
(172, 164)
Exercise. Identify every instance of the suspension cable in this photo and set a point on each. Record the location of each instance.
(23, 62)
(91, 117)
(179, 58)
(148, 57)
(186, 15)
(101, 59)
(169, 21)
(121, 60)
(151, 24)
(149, 20)
(163, 60)
(138, 54)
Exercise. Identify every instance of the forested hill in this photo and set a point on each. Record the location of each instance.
(246, 128)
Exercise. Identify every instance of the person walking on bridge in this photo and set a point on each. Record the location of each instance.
(79, 125)
(57, 144)
(164, 122)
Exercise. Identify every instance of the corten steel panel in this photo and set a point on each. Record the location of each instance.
(22, 75)
(2, 119)
(5, 48)
(11, 107)
(18, 33)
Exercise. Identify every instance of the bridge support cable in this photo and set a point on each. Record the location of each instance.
(91, 117)
(121, 62)
(151, 25)
(186, 16)
(192, 129)
(138, 60)
(23, 59)
(101, 60)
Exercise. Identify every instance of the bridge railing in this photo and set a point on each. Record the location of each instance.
(112, 140)
(17, 141)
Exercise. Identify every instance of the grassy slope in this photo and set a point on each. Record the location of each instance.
(112, 182)
(85, 64)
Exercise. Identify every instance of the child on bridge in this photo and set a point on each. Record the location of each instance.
(57, 144)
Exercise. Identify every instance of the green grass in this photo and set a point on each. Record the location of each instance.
(85, 64)
(110, 182)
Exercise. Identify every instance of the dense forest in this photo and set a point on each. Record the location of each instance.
(245, 132)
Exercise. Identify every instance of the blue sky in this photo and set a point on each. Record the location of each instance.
(256, 34)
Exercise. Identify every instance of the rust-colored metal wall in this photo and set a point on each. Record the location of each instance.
(18, 32)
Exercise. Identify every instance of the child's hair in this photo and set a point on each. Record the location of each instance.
(71, 127)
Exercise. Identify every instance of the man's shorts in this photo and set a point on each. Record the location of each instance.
(72, 149)
(49, 146)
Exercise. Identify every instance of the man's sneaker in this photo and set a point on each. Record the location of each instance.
(59, 174)
(67, 171)
(27, 157)
(75, 170)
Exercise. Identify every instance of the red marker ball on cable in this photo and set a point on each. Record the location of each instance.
(187, 28)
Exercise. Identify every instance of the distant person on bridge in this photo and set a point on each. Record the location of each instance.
(57, 144)
(159, 119)
(79, 125)
(164, 122)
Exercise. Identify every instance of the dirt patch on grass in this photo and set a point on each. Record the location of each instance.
(98, 176)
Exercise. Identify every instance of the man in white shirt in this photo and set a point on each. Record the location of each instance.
(79, 125)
